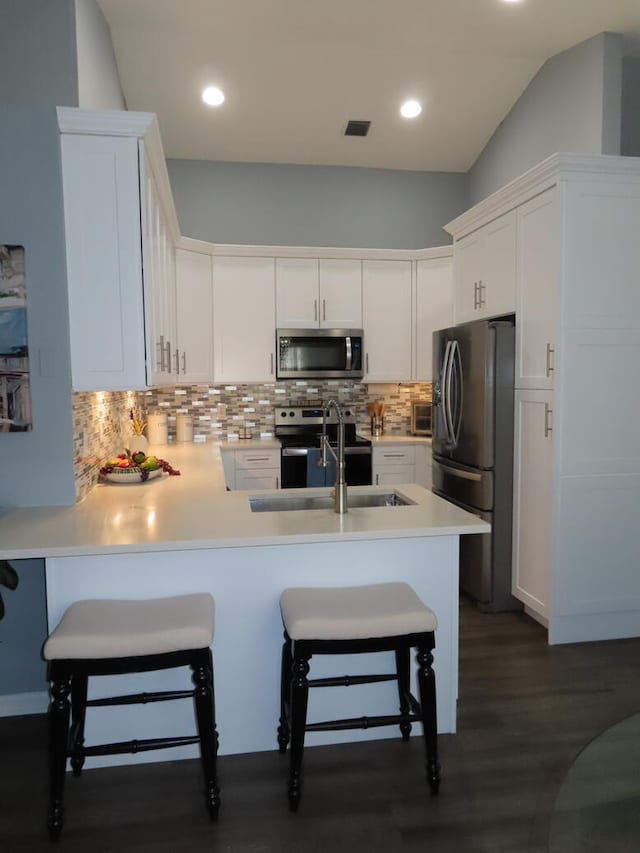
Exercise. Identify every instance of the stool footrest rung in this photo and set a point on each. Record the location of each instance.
(362, 723)
(134, 746)
(140, 698)
(349, 680)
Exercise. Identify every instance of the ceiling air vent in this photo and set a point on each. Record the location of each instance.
(357, 128)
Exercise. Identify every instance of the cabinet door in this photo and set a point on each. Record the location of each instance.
(268, 479)
(394, 475)
(100, 179)
(423, 466)
(386, 291)
(468, 258)
(497, 294)
(434, 310)
(194, 312)
(158, 262)
(340, 305)
(537, 291)
(532, 495)
(244, 319)
(297, 293)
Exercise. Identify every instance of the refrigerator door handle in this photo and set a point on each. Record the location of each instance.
(445, 396)
(454, 377)
(462, 475)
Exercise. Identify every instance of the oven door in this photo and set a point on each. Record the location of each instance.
(293, 466)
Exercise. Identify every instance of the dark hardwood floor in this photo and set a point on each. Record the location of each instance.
(525, 711)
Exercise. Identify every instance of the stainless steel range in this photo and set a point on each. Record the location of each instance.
(299, 429)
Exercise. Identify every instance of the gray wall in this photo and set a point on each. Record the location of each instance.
(38, 52)
(573, 104)
(630, 130)
(22, 632)
(98, 79)
(37, 466)
(272, 204)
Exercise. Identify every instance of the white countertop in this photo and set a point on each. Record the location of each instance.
(397, 439)
(195, 511)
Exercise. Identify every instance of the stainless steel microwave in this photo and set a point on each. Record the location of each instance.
(319, 353)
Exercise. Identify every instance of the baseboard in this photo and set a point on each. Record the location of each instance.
(21, 704)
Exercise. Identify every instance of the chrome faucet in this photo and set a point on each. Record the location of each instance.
(340, 487)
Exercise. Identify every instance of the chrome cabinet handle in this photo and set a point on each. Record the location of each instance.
(481, 290)
(366, 363)
(258, 459)
(315, 310)
(168, 349)
(548, 428)
(271, 367)
(394, 455)
(377, 479)
(475, 295)
(324, 309)
(549, 365)
(177, 358)
(160, 346)
(277, 482)
(184, 361)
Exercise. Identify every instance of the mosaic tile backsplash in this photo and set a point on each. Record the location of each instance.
(102, 424)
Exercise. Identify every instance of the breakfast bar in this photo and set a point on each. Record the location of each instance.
(175, 535)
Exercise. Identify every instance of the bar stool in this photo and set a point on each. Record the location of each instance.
(106, 637)
(353, 620)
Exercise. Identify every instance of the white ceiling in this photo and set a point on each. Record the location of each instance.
(295, 71)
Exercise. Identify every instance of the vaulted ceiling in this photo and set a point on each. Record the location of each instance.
(295, 71)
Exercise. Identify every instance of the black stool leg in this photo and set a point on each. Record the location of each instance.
(59, 712)
(298, 721)
(285, 691)
(204, 700)
(427, 684)
(79, 684)
(403, 667)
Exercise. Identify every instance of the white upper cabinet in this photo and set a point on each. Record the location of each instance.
(244, 319)
(485, 270)
(386, 299)
(340, 293)
(104, 262)
(434, 310)
(194, 314)
(316, 293)
(120, 231)
(537, 291)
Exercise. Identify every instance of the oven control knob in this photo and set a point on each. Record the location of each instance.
(348, 412)
(283, 414)
(292, 414)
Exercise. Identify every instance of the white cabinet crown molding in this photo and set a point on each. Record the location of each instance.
(130, 124)
(536, 180)
(242, 250)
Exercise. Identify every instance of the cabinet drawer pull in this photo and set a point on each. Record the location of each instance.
(548, 428)
(394, 455)
(257, 459)
(324, 309)
(315, 310)
(550, 353)
(271, 367)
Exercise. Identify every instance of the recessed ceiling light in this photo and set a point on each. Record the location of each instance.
(213, 96)
(411, 109)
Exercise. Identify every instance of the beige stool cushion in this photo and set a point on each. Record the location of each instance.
(354, 612)
(117, 629)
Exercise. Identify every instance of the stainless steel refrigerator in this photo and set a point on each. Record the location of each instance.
(473, 448)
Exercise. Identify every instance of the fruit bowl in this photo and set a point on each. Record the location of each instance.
(134, 467)
(131, 475)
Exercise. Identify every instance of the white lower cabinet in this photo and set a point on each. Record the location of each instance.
(392, 464)
(252, 468)
(532, 512)
(244, 319)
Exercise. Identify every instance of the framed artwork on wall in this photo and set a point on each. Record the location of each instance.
(15, 390)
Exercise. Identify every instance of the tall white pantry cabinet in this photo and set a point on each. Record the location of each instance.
(576, 558)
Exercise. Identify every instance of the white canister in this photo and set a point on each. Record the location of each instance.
(184, 427)
(157, 430)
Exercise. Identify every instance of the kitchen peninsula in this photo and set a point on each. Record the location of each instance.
(185, 534)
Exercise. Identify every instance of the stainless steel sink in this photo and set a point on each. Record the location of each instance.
(292, 503)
